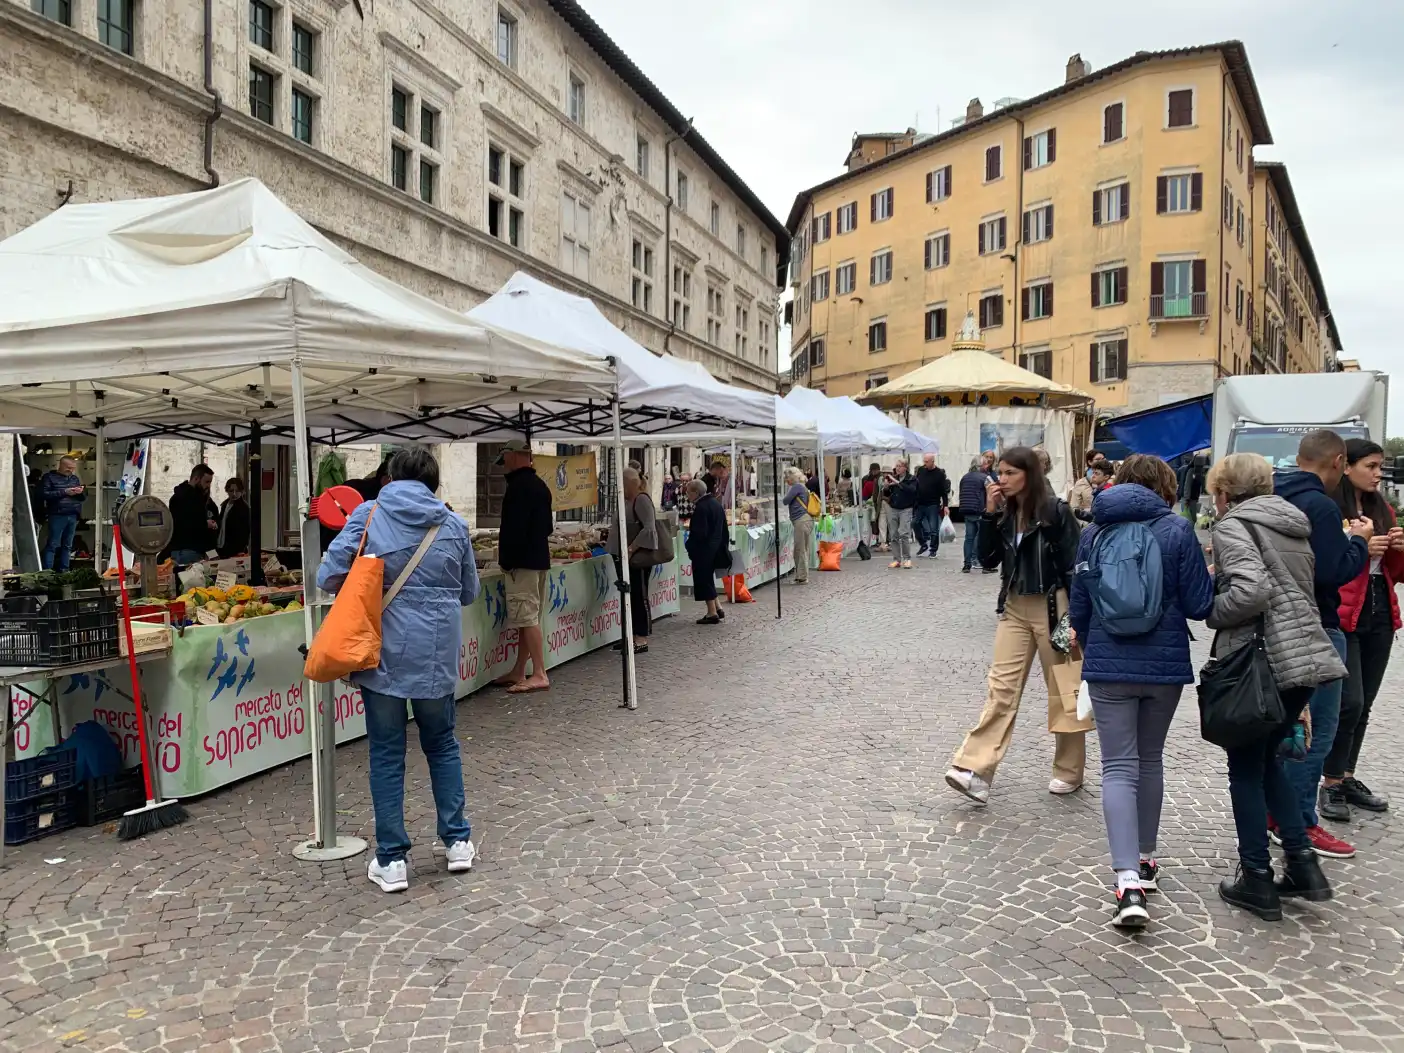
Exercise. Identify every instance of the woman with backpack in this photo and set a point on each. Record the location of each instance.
(1033, 539)
(797, 501)
(1140, 579)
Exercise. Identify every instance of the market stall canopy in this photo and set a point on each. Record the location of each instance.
(880, 422)
(971, 373)
(184, 314)
(838, 426)
(1167, 431)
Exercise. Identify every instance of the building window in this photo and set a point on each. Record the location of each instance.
(506, 39)
(1038, 224)
(1238, 303)
(399, 109)
(681, 201)
(429, 127)
(816, 353)
(845, 278)
(1179, 193)
(1111, 204)
(938, 251)
(935, 323)
(938, 185)
(1239, 151)
(506, 189)
(428, 179)
(715, 315)
(877, 336)
(1179, 289)
(1108, 361)
(303, 108)
(993, 235)
(1041, 149)
(994, 163)
(881, 205)
(1038, 301)
(1113, 122)
(261, 94)
(641, 284)
(575, 236)
(115, 24)
(1039, 360)
(765, 258)
(821, 228)
(304, 47)
(1179, 108)
(848, 218)
(576, 106)
(1240, 223)
(682, 297)
(399, 167)
(877, 380)
(880, 268)
(819, 286)
(992, 310)
(260, 24)
(641, 157)
(740, 240)
(1109, 287)
(743, 326)
(716, 220)
(60, 11)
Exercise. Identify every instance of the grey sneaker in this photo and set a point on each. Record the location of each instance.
(970, 784)
(1331, 803)
(392, 877)
(460, 856)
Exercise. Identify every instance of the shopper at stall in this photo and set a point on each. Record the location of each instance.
(62, 493)
(933, 498)
(797, 504)
(639, 534)
(901, 496)
(670, 490)
(708, 547)
(421, 632)
(524, 553)
(194, 517)
(972, 509)
(720, 485)
(685, 501)
(369, 488)
(234, 520)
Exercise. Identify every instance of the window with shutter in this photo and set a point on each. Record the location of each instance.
(1162, 194)
(1040, 149)
(1112, 123)
(994, 163)
(1180, 108)
(1096, 208)
(1096, 289)
(1038, 224)
(935, 323)
(1196, 192)
(1037, 301)
(877, 337)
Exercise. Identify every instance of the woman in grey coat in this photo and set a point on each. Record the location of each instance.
(1263, 570)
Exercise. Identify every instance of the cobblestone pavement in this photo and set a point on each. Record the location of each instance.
(764, 857)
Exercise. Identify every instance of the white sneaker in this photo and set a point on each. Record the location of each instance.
(1060, 787)
(460, 856)
(393, 877)
(970, 784)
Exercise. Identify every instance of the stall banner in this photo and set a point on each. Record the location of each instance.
(572, 480)
(228, 703)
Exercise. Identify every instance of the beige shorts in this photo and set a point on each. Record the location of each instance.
(526, 595)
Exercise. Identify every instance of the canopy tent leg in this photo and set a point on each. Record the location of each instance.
(255, 539)
(101, 451)
(775, 500)
(731, 477)
(325, 844)
(626, 613)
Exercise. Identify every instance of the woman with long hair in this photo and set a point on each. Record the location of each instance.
(1369, 617)
(1033, 540)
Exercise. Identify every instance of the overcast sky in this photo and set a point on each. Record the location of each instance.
(780, 86)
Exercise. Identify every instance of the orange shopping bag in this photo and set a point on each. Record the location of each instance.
(736, 591)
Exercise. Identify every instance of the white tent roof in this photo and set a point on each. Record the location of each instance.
(187, 312)
(880, 422)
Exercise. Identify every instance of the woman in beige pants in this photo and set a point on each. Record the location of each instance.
(1033, 539)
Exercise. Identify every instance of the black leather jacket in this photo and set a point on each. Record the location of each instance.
(1042, 561)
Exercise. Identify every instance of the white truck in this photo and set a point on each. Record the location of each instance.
(1269, 414)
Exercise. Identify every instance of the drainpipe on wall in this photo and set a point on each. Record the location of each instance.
(218, 111)
(1018, 231)
(668, 234)
(1223, 161)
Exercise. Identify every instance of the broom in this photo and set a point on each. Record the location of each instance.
(156, 814)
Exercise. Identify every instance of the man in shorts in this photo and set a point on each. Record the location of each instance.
(524, 552)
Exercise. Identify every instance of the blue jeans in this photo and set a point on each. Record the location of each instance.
(1258, 785)
(930, 517)
(972, 539)
(385, 728)
(186, 557)
(60, 543)
(1305, 775)
(1132, 722)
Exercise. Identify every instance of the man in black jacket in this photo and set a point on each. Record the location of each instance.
(972, 508)
(524, 553)
(194, 517)
(933, 497)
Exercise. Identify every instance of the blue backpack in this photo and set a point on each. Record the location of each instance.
(1125, 579)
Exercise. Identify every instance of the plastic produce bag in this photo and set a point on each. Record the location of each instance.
(948, 533)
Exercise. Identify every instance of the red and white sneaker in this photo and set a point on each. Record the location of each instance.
(1328, 844)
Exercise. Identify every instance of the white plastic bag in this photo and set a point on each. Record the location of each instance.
(948, 533)
(1084, 701)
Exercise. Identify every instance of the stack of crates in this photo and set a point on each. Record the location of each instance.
(38, 631)
(38, 798)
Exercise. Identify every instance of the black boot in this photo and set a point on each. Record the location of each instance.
(1302, 878)
(1254, 891)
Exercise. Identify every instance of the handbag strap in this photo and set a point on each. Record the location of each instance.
(394, 589)
(365, 530)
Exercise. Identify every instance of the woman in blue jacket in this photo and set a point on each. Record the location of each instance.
(1135, 681)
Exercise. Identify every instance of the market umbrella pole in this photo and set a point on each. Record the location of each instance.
(626, 623)
(775, 500)
(318, 699)
(101, 451)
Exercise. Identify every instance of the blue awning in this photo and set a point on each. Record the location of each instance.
(1167, 431)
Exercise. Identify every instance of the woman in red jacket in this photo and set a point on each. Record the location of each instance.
(1369, 617)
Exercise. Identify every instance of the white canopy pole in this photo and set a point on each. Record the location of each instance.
(101, 454)
(731, 477)
(823, 483)
(626, 624)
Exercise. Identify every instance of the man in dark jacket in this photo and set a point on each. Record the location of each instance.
(1340, 557)
(933, 497)
(524, 552)
(972, 508)
(194, 517)
(62, 492)
(901, 494)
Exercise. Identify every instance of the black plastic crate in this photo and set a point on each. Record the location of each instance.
(35, 630)
(38, 817)
(40, 776)
(108, 797)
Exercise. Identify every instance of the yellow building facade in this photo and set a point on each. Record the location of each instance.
(1102, 233)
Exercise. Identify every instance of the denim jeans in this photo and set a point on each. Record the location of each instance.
(186, 557)
(930, 516)
(1305, 775)
(60, 543)
(1132, 722)
(972, 539)
(1258, 785)
(385, 729)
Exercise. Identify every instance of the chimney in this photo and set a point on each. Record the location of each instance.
(1078, 68)
(974, 110)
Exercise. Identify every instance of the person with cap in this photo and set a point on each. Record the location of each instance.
(524, 553)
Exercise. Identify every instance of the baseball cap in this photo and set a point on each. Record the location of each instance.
(512, 446)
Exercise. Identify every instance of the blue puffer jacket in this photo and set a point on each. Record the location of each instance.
(1160, 656)
(422, 629)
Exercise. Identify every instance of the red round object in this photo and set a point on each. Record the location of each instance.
(334, 505)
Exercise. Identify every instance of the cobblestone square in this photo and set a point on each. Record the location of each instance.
(763, 857)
